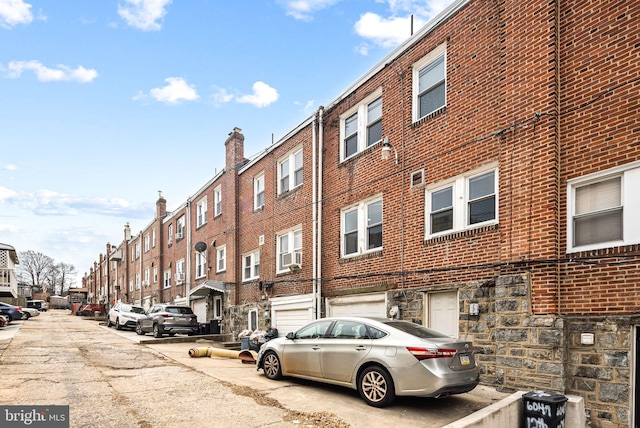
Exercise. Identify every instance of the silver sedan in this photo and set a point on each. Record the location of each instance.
(380, 358)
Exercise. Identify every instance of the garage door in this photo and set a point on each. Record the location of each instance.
(443, 312)
(291, 312)
(368, 305)
(200, 309)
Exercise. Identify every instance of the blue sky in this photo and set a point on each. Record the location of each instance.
(105, 103)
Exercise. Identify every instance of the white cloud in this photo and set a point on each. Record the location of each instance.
(14, 12)
(262, 96)
(396, 28)
(304, 9)
(144, 14)
(176, 90)
(9, 167)
(46, 74)
(221, 96)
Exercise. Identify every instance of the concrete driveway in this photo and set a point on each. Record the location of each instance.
(310, 397)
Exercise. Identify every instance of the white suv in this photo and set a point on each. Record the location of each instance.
(40, 305)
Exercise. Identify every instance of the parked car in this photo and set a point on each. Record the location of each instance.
(10, 311)
(40, 305)
(168, 319)
(124, 315)
(28, 312)
(380, 358)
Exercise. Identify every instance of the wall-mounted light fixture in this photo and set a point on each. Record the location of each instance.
(387, 149)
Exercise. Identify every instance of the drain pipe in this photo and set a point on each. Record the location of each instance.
(318, 276)
(314, 214)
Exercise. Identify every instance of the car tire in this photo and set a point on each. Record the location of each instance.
(375, 386)
(139, 330)
(118, 326)
(271, 365)
(109, 322)
(157, 331)
(26, 316)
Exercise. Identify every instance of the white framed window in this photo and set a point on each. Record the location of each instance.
(251, 266)
(180, 277)
(603, 209)
(138, 249)
(430, 83)
(463, 202)
(167, 278)
(217, 307)
(201, 212)
(290, 169)
(170, 235)
(361, 227)
(147, 243)
(153, 238)
(201, 264)
(147, 277)
(252, 319)
(258, 192)
(138, 281)
(289, 248)
(130, 285)
(361, 126)
(217, 201)
(221, 258)
(180, 228)
(155, 274)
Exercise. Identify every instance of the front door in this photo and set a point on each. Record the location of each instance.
(443, 312)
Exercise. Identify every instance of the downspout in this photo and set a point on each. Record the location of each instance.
(319, 208)
(141, 257)
(187, 283)
(314, 214)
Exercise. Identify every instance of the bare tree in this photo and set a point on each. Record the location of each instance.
(33, 267)
(40, 270)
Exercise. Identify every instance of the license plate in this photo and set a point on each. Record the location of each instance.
(464, 359)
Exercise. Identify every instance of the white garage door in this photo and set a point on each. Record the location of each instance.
(200, 309)
(368, 305)
(291, 312)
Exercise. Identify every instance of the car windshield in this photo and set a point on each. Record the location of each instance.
(416, 330)
(179, 310)
(134, 309)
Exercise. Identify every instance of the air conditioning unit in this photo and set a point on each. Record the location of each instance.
(293, 261)
(145, 283)
(180, 277)
(179, 235)
(170, 241)
(417, 179)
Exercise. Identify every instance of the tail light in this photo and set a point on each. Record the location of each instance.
(428, 353)
(166, 316)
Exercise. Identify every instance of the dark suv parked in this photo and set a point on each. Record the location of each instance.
(168, 319)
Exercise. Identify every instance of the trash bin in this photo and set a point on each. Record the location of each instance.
(544, 409)
(244, 344)
(205, 328)
(215, 326)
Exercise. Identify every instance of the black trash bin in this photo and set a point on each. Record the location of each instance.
(205, 328)
(544, 409)
(214, 326)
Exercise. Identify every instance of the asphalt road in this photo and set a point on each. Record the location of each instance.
(113, 378)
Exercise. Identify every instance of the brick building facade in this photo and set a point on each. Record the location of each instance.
(502, 211)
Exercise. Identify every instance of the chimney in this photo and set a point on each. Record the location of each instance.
(127, 232)
(161, 205)
(235, 149)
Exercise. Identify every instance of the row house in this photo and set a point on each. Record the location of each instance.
(8, 278)
(478, 180)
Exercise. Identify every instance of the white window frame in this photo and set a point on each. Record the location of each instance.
(147, 243)
(361, 110)
(290, 237)
(153, 238)
(630, 203)
(155, 274)
(170, 235)
(217, 307)
(221, 258)
(258, 190)
(147, 276)
(201, 212)
(252, 314)
(361, 210)
(130, 285)
(137, 280)
(460, 201)
(180, 270)
(180, 228)
(424, 62)
(167, 278)
(217, 201)
(201, 264)
(138, 249)
(254, 266)
(287, 170)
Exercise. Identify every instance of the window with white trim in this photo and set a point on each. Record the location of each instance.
(601, 209)
(201, 212)
(361, 227)
(290, 171)
(258, 192)
(147, 277)
(138, 249)
(221, 258)
(180, 228)
(170, 235)
(155, 274)
(430, 83)
(251, 266)
(217, 201)
(147, 243)
(463, 202)
(252, 318)
(153, 238)
(289, 248)
(217, 307)
(130, 285)
(167, 278)
(138, 281)
(180, 276)
(361, 126)
(201, 264)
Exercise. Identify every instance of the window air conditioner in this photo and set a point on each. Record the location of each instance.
(179, 235)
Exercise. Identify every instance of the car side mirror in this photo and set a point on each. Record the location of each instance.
(291, 335)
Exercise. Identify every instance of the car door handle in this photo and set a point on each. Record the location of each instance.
(361, 348)
(315, 348)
